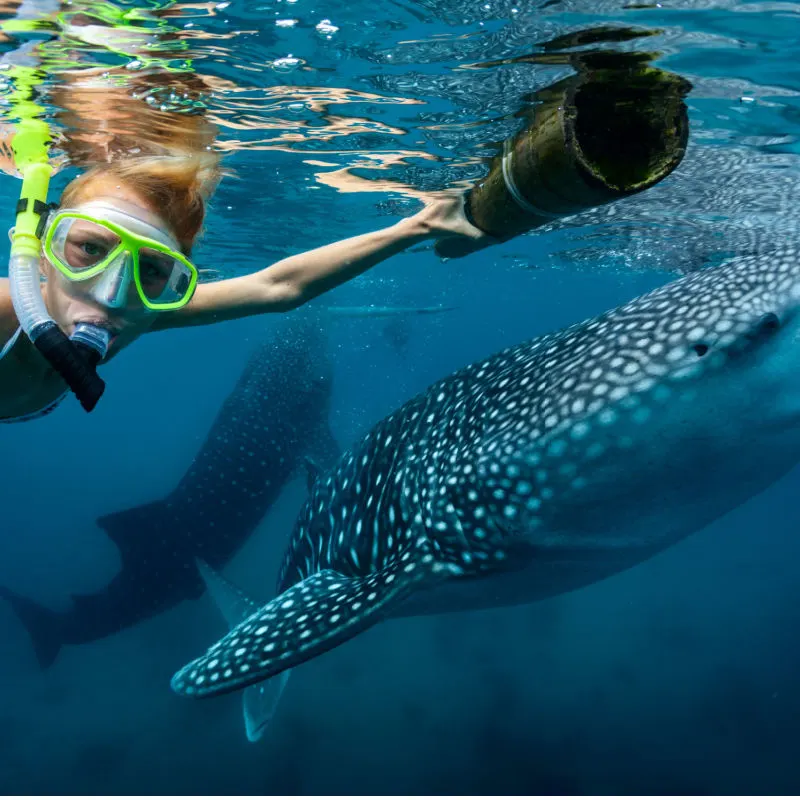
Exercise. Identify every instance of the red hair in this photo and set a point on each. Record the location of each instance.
(176, 187)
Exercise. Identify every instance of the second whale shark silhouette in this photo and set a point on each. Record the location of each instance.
(276, 415)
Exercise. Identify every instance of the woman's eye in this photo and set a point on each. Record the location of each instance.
(86, 252)
(153, 270)
(92, 249)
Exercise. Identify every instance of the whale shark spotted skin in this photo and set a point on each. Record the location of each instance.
(546, 467)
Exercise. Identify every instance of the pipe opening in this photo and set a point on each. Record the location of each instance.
(630, 128)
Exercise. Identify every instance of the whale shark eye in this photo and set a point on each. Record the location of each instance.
(701, 349)
(770, 322)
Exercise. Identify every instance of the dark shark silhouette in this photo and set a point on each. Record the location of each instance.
(276, 415)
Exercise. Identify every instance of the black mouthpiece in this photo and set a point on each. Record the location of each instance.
(75, 363)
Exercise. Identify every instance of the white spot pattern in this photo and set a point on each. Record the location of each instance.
(491, 453)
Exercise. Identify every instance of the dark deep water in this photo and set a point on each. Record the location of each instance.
(678, 676)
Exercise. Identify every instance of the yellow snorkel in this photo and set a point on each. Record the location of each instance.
(74, 359)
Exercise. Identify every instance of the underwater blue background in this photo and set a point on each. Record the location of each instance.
(678, 676)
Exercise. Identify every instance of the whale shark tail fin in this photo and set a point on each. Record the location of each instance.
(260, 701)
(42, 624)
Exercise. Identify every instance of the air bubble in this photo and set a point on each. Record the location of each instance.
(326, 28)
(286, 64)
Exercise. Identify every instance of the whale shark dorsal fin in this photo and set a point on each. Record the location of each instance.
(309, 618)
(232, 602)
(312, 472)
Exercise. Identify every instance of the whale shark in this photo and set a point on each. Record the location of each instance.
(542, 469)
(276, 414)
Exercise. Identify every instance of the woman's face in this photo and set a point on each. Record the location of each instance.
(72, 302)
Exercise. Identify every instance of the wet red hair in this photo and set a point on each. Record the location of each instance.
(176, 187)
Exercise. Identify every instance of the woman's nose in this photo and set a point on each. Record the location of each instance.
(115, 287)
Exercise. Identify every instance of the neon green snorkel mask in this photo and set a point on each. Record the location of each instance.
(102, 243)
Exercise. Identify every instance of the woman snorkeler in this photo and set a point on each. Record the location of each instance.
(115, 253)
(130, 225)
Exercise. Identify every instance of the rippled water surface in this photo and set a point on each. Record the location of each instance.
(318, 101)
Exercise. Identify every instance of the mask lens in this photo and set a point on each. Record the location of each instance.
(155, 270)
(80, 244)
(164, 279)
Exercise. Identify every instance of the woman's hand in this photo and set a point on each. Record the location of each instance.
(444, 219)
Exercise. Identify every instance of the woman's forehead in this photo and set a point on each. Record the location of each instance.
(110, 188)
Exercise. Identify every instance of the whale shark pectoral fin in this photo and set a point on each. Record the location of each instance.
(136, 532)
(325, 451)
(308, 619)
(233, 603)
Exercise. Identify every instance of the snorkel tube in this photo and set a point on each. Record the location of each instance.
(75, 359)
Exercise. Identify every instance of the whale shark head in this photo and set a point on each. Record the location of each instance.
(678, 401)
(739, 322)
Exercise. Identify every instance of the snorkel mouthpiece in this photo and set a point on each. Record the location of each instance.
(92, 339)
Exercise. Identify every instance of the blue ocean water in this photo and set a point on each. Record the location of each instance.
(678, 676)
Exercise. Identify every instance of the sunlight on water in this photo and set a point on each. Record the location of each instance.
(315, 100)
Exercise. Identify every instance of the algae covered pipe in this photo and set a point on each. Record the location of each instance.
(616, 128)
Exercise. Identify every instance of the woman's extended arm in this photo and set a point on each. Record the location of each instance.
(296, 280)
